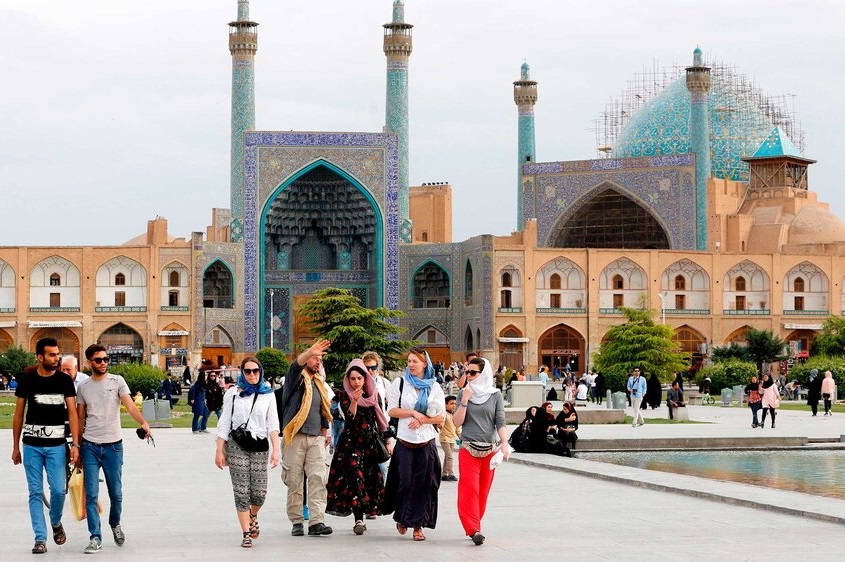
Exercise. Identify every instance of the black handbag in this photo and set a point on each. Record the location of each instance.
(244, 438)
(382, 454)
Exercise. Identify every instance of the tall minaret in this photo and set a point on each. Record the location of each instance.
(397, 48)
(698, 84)
(243, 44)
(525, 96)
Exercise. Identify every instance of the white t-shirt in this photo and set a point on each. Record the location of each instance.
(436, 407)
(582, 392)
(102, 408)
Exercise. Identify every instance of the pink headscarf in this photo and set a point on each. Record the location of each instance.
(369, 398)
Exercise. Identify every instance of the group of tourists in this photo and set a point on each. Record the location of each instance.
(395, 425)
(543, 432)
(61, 417)
(764, 394)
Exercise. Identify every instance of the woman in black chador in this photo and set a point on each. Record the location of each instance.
(653, 393)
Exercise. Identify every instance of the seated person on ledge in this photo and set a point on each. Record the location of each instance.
(567, 425)
(674, 398)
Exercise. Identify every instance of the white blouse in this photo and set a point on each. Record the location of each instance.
(263, 420)
(436, 407)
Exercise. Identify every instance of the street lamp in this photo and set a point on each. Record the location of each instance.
(662, 307)
(272, 292)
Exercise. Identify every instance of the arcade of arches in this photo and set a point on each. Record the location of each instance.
(68, 341)
(6, 341)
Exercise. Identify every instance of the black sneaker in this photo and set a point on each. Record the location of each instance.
(119, 537)
(318, 530)
(297, 530)
(477, 538)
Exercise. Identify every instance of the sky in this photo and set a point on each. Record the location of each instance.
(114, 113)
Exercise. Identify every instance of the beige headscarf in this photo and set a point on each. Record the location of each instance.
(298, 420)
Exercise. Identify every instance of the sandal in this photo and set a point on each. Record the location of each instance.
(359, 527)
(418, 534)
(247, 541)
(401, 528)
(39, 548)
(254, 531)
(59, 536)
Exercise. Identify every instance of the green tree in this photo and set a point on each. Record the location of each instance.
(639, 342)
(16, 359)
(763, 346)
(835, 365)
(727, 374)
(275, 363)
(337, 315)
(830, 340)
(731, 353)
(140, 377)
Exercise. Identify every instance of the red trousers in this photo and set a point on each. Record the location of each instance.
(473, 489)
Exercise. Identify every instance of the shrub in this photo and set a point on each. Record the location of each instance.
(727, 374)
(616, 382)
(275, 363)
(835, 365)
(141, 377)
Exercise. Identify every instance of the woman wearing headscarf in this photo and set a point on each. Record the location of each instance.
(828, 390)
(413, 478)
(542, 426)
(771, 398)
(567, 425)
(355, 482)
(481, 417)
(754, 392)
(814, 391)
(653, 393)
(601, 387)
(249, 405)
(519, 437)
(196, 400)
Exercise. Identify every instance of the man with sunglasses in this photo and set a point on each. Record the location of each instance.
(98, 403)
(636, 389)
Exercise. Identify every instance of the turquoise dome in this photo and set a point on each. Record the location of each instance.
(661, 126)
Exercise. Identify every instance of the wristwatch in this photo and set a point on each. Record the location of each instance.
(75, 445)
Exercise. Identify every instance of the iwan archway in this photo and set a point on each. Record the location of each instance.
(321, 228)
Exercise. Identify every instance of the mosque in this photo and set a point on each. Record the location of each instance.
(699, 208)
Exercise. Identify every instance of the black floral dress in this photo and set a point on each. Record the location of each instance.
(355, 480)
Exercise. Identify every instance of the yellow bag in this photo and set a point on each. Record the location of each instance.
(76, 490)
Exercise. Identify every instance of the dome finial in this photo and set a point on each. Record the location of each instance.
(525, 71)
(398, 11)
(696, 57)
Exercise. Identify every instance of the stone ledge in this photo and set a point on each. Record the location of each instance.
(597, 416)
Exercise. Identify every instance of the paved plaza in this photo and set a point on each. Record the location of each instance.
(178, 506)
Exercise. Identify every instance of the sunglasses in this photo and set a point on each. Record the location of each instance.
(251, 371)
(372, 367)
(473, 373)
(100, 360)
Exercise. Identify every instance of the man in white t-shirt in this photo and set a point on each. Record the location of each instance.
(98, 404)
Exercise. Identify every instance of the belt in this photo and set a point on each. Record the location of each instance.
(102, 444)
(414, 445)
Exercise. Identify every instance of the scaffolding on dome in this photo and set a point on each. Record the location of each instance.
(744, 104)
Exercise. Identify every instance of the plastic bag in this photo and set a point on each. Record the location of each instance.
(76, 490)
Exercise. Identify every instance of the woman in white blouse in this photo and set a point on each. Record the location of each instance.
(413, 478)
(247, 433)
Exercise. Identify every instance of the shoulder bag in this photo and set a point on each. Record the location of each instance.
(244, 438)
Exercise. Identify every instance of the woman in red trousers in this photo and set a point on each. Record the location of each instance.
(481, 415)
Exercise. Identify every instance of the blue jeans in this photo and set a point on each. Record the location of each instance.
(200, 421)
(755, 407)
(109, 457)
(35, 461)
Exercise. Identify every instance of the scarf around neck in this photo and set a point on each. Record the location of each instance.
(249, 389)
(308, 382)
(423, 385)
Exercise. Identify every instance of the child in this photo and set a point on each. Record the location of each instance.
(448, 434)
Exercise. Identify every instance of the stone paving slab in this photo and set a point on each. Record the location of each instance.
(178, 506)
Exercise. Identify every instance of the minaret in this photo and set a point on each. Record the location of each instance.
(397, 48)
(698, 84)
(525, 96)
(243, 44)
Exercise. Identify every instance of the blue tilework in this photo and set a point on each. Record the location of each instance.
(243, 119)
(526, 151)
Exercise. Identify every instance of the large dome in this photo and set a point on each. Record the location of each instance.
(737, 126)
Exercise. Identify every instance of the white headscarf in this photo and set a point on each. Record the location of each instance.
(483, 387)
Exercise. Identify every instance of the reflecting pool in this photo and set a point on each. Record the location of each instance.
(821, 473)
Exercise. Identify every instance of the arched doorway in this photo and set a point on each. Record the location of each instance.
(799, 342)
(6, 341)
(123, 344)
(511, 346)
(469, 343)
(691, 343)
(436, 343)
(68, 342)
(173, 345)
(217, 347)
(738, 337)
(562, 347)
(217, 286)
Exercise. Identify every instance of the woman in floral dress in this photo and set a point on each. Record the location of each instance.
(355, 485)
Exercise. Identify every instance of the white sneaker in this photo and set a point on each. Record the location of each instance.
(94, 546)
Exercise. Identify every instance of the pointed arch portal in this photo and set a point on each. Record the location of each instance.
(612, 220)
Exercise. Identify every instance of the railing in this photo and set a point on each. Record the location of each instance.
(754, 312)
(806, 312)
(512, 309)
(687, 311)
(7, 310)
(175, 309)
(120, 309)
(610, 311)
(54, 309)
(431, 302)
(561, 311)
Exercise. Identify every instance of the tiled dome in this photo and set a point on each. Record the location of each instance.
(737, 127)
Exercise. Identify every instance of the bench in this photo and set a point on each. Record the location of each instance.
(680, 414)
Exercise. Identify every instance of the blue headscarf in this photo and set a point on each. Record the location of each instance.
(249, 389)
(423, 385)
